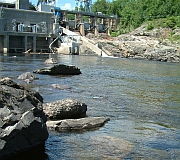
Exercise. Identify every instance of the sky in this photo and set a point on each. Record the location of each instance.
(63, 4)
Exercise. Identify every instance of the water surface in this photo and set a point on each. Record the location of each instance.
(141, 98)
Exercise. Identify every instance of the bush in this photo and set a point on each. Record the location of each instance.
(171, 22)
(114, 34)
(178, 21)
(150, 26)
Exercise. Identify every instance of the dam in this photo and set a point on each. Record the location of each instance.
(24, 30)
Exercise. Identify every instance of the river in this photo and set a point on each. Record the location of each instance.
(141, 98)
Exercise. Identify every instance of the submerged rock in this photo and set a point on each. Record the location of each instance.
(77, 124)
(61, 87)
(110, 147)
(50, 61)
(22, 120)
(59, 69)
(65, 109)
(27, 76)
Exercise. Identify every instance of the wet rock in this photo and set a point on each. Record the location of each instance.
(65, 109)
(59, 70)
(27, 76)
(50, 61)
(77, 124)
(110, 147)
(22, 120)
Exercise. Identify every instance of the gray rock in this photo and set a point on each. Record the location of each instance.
(22, 120)
(110, 147)
(141, 45)
(65, 109)
(59, 69)
(163, 54)
(77, 124)
(27, 76)
(50, 61)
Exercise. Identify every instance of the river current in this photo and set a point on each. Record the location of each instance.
(141, 98)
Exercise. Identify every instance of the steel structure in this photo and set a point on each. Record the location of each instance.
(51, 2)
(87, 4)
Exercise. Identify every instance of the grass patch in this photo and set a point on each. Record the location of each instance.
(174, 38)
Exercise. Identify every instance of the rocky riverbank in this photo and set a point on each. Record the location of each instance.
(141, 44)
(23, 119)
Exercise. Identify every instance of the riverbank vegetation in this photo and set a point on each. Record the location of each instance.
(134, 13)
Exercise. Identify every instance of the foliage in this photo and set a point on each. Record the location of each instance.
(114, 34)
(175, 38)
(71, 16)
(169, 22)
(100, 6)
(133, 13)
(150, 26)
(32, 6)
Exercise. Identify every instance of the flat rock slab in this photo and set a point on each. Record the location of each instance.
(59, 69)
(77, 124)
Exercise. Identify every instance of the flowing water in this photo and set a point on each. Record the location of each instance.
(141, 98)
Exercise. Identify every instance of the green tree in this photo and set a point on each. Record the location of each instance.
(100, 6)
(115, 7)
(32, 7)
(133, 13)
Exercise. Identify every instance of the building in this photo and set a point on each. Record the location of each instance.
(22, 29)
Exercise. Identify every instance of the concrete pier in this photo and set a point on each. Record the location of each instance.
(6, 44)
(34, 43)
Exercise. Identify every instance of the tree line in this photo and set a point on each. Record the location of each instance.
(133, 13)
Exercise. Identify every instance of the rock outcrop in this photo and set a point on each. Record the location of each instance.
(22, 120)
(65, 109)
(140, 47)
(87, 123)
(140, 44)
(59, 69)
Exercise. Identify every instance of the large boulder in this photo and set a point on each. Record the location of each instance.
(22, 120)
(87, 123)
(59, 69)
(65, 109)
